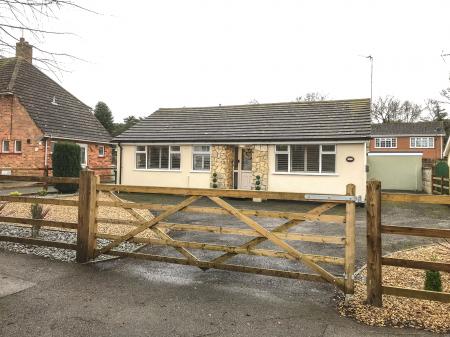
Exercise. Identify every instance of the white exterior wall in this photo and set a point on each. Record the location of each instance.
(346, 173)
(185, 177)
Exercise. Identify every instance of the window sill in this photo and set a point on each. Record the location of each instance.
(305, 174)
(200, 171)
(156, 170)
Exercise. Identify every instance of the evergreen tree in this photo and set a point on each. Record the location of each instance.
(104, 116)
(66, 162)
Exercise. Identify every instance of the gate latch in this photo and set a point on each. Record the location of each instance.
(331, 197)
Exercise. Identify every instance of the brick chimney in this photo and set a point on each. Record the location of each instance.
(24, 50)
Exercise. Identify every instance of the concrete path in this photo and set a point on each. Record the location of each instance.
(129, 298)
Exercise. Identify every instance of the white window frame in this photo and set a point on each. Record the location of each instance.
(379, 140)
(101, 153)
(413, 142)
(86, 147)
(15, 146)
(203, 153)
(3, 145)
(145, 151)
(321, 152)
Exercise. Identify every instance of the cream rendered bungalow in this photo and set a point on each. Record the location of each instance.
(314, 147)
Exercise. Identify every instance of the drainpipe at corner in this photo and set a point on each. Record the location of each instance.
(120, 164)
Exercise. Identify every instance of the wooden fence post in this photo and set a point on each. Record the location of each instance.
(374, 277)
(87, 212)
(350, 223)
(46, 175)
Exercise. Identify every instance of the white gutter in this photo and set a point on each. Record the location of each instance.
(206, 142)
(79, 140)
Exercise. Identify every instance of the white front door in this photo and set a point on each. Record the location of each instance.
(243, 168)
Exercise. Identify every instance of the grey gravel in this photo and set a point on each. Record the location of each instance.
(65, 255)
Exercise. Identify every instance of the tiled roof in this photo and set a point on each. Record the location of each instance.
(409, 129)
(69, 118)
(300, 121)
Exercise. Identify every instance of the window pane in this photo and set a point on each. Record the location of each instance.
(201, 148)
(198, 162)
(312, 158)
(6, 146)
(18, 145)
(328, 163)
(140, 148)
(282, 147)
(175, 161)
(83, 155)
(153, 157)
(328, 148)
(297, 158)
(164, 163)
(246, 160)
(140, 160)
(206, 162)
(281, 162)
(175, 148)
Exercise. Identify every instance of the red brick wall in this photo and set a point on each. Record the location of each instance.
(403, 145)
(16, 124)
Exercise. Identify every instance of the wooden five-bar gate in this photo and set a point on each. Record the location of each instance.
(161, 229)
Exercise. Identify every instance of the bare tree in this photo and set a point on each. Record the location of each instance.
(312, 97)
(435, 111)
(390, 109)
(30, 16)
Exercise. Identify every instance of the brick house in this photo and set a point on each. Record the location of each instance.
(36, 112)
(426, 138)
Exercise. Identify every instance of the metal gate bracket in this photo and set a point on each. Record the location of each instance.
(330, 197)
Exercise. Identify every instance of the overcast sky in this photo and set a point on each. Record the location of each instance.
(142, 55)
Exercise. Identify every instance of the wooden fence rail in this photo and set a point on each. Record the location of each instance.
(375, 260)
(440, 185)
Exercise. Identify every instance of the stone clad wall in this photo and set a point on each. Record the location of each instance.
(260, 166)
(222, 165)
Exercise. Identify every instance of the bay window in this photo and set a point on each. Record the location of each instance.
(158, 157)
(305, 158)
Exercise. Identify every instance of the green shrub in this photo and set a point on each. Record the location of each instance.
(258, 187)
(66, 160)
(42, 193)
(214, 185)
(433, 280)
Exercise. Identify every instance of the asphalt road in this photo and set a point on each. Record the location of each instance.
(129, 298)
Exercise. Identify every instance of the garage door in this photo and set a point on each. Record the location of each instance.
(396, 171)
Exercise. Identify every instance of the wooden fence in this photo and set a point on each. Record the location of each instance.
(440, 185)
(88, 219)
(108, 173)
(375, 260)
(35, 222)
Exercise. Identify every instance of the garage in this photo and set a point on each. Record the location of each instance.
(396, 171)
